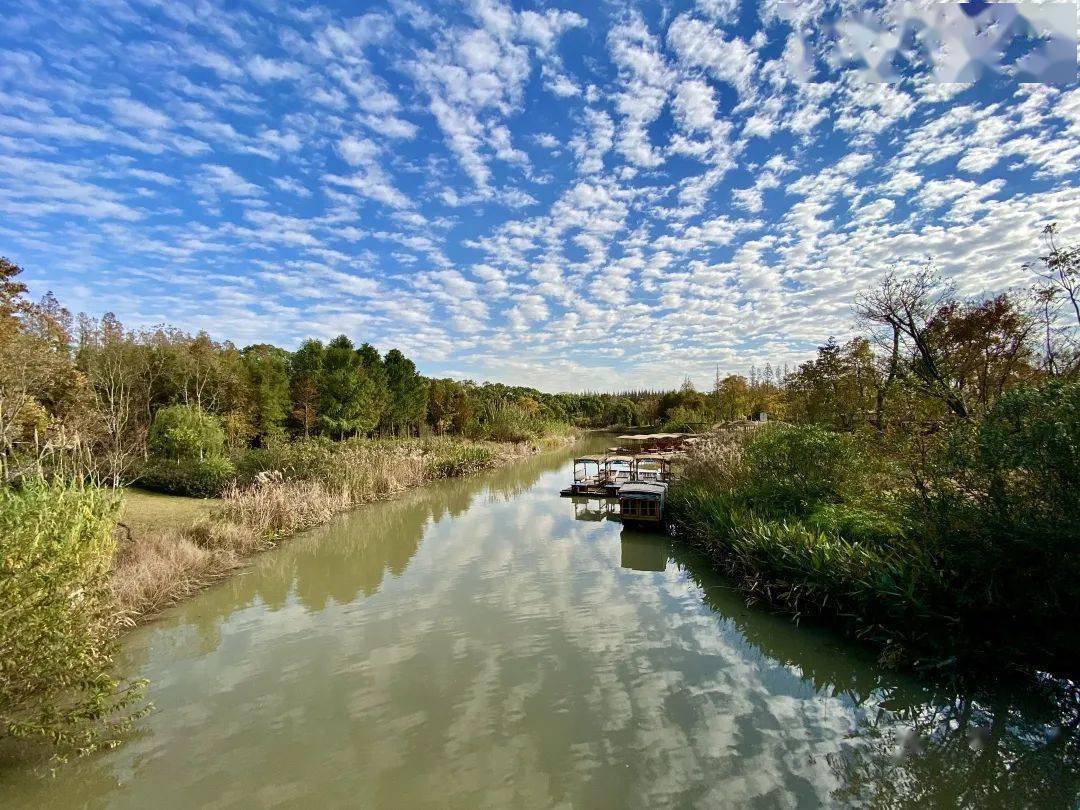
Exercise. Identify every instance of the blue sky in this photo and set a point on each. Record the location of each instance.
(572, 196)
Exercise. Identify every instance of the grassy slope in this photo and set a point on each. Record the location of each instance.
(148, 512)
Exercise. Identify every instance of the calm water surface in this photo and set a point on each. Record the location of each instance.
(485, 643)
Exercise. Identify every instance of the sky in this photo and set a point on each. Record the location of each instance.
(573, 196)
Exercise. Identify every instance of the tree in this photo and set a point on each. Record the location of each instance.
(304, 373)
(982, 349)
(1061, 270)
(186, 433)
(352, 388)
(376, 389)
(408, 393)
(1057, 297)
(41, 391)
(266, 371)
(732, 396)
(837, 388)
(905, 306)
(108, 358)
(463, 411)
(440, 410)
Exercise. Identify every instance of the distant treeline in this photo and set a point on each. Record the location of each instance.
(89, 391)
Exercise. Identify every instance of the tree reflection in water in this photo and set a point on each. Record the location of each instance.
(352, 555)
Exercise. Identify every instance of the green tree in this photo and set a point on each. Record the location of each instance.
(352, 388)
(186, 433)
(408, 394)
(43, 397)
(732, 398)
(440, 409)
(463, 411)
(267, 385)
(376, 391)
(837, 388)
(305, 369)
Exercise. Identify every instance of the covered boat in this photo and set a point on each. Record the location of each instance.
(641, 503)
(589, 477)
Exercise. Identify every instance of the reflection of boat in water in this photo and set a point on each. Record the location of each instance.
(644, 552)
(594, 509)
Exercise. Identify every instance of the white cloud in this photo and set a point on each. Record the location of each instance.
(699, 45)
(226, 180)
(263, 69)
(132, 113)
(646, 82)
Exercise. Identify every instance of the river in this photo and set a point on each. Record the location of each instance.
(486, 643)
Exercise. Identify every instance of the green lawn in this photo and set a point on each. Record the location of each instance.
(146, 512)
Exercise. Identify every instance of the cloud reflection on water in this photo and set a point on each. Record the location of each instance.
(474, 645)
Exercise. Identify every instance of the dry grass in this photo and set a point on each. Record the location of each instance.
(192, 543)
(158, 569)
(278, 510)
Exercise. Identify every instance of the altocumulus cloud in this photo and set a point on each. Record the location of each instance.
(559, 194)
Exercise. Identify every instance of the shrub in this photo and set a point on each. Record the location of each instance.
(181, 432)
(855, 523)
(459, 460)
(514, 424)
(1029, 450)
(199, 479)
(975, 553)
(1001, 509)
(794, 470)
(686, 420)
(58, 630)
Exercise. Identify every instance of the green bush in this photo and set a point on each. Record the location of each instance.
(1029, 450)
(801, 516)
(58, 631)
(1002, 511)
(795, 470)
(512, 424)
(182, 432)
(198, 479)
(857, 524)
(459, 460)
(686, 420)
(974, 551)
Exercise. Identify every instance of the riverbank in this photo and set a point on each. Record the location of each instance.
(958, 558)
(170, 548)
(477, 610)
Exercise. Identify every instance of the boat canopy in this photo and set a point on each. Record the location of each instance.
(642, 490)
(589, 460)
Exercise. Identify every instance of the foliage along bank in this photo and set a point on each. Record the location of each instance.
(923, 491)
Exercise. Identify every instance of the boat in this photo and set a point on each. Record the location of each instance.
(586, 482)
(652, 468)
(641, 503)
(618, 470)
(604, 476)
